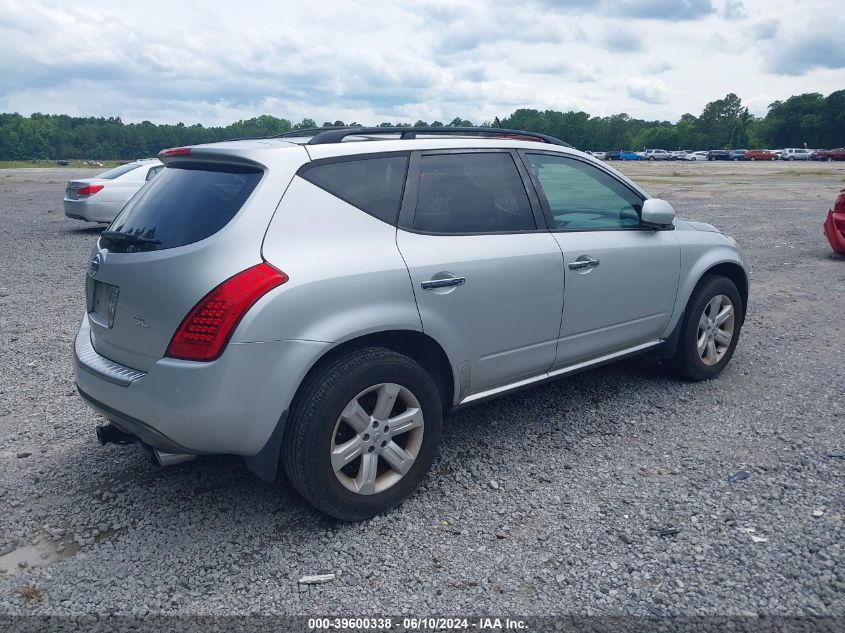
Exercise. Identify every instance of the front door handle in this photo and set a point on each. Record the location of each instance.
(584, 262)
(431, 284)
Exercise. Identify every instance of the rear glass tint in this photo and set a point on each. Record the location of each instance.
(184, 204)
(374, 185)
(111, 174)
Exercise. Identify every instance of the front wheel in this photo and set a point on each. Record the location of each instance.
(363, 432)
(710, 332)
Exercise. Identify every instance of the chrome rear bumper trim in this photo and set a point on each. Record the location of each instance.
(88, 359)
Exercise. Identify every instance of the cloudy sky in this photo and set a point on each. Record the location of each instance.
(215, 61)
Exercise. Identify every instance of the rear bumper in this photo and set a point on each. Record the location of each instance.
(834, 229)
(228, 406)
(86, 209)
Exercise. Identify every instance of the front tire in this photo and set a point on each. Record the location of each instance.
(712, 322)
(363, 432)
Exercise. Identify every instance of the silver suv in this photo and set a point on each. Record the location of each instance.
(317, 303)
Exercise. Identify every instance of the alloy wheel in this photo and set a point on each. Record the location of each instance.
(715, 329)
(377, 438)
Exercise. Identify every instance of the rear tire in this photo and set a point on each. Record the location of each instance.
(350, 401)
(714, 312)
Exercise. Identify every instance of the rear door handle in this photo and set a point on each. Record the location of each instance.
(431, 284)
(586, 262)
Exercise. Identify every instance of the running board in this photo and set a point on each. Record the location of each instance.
(557, 373)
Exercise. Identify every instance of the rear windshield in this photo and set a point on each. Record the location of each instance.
(184, 204)
(111, 174)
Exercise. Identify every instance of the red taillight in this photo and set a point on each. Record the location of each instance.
(176, 151)
(203, 334)
(89, 190)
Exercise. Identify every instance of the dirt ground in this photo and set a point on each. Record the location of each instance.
(586, 470)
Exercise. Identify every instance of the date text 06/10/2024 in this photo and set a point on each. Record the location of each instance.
(417, 624)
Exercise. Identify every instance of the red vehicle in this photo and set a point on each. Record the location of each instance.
(829, 154)
(760, 154)
(834, 226)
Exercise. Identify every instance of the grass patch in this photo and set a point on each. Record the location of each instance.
(666, 181)
(800, 172)
(40, 164)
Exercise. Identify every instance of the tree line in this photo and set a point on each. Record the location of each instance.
(811, 120)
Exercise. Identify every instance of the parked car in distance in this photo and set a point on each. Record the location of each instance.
(680, 154)
(829, 155)
(696, 156)
(599, 155)
(629, 155)
(718, 154)
(222, 319)
(795, 153)
(737, 154)
(613, 155)
(657, 154)
(760, 154)
(63, 163)
(834, 225)
(99, 199)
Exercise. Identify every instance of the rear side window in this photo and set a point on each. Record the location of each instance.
(374, 185)
(471, 193)
(184, 204)
(111, 174)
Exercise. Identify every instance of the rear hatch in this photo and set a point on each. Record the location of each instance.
(199, 222)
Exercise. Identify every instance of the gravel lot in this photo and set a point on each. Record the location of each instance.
(550, 501)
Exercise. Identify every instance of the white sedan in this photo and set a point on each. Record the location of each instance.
(696, 156)
(100, 199)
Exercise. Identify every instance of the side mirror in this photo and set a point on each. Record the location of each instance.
(657, 214)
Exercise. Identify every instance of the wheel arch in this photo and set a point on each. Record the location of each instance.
(708, 260)
(736, 274)
(414, 344)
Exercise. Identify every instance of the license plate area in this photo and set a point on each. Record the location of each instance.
(102, 302)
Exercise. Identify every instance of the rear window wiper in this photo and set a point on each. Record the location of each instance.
(128, 237)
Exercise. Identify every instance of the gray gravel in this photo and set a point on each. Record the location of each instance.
(605, 493)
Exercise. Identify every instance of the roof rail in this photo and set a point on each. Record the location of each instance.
(308, 131)
(322, 136)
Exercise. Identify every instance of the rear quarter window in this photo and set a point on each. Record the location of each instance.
(183, 204)
(374, 185)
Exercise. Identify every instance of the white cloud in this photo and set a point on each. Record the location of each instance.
(433, 59)
(648, 90)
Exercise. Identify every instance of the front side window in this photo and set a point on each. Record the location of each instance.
(153, 171)
(471, 193)
(374, 185)
(582, 197)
